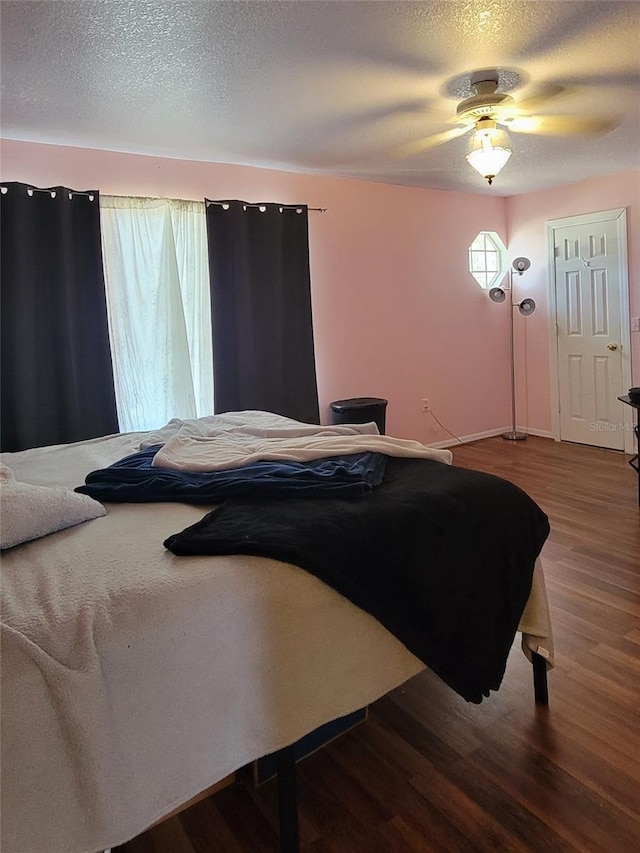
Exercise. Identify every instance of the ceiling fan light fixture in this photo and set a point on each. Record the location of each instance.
(489, 149)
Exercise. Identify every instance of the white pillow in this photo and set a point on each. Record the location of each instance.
(29, 512)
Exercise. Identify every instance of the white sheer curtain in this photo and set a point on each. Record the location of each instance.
(157, 281)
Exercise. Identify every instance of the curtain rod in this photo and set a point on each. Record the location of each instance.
(52, 191)
(209, 201)
(91, 195)
(264, 204)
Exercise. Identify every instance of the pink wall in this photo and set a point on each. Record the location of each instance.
(396, 313)
(527, 215)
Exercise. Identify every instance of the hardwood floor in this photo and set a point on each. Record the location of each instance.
(429, 772)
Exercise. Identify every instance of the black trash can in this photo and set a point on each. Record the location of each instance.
(360, 410)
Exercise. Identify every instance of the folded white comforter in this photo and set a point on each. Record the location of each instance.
(220, 444)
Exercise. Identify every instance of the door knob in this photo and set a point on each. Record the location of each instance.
(612, 346)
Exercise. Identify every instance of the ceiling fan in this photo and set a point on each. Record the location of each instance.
(487, 111)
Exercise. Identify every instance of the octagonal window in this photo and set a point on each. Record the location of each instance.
(487, 259)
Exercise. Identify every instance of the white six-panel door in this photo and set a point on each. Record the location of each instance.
(588, 294)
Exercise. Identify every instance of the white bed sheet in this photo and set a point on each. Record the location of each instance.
(133, 679)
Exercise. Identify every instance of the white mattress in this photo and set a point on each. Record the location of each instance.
(133, 679)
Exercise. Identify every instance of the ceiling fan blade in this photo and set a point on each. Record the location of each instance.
(409, 149)
(559, 125)
(542, 93)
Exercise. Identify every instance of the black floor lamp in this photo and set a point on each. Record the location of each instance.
(526, 308)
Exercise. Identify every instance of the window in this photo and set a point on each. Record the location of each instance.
(487, 259)
(157, 281)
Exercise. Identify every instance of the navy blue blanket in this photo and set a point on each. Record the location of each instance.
(442, 556)
(135, 480)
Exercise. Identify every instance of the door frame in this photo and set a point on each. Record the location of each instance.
(619, 215)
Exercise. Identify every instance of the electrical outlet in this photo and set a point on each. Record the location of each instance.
(425, 405)
(635, 324)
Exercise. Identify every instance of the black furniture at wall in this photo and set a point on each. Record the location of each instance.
(634, 461)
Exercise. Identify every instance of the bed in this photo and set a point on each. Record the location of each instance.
(133, 679)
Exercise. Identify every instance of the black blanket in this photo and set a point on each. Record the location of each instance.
(442, 556)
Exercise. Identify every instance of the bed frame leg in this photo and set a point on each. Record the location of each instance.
(288, 801)
(540, 687)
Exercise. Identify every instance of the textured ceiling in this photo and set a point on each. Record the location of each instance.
(335, 87)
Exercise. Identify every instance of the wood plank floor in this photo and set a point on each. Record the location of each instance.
(429, 772)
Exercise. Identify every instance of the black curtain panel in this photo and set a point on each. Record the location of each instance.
(55, 374)
(261, 309)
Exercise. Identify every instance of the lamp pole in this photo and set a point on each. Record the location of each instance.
(513, 434)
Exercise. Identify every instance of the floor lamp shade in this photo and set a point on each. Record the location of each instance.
(527, 307)
(520, 265)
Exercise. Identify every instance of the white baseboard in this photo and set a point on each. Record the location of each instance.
(542, 433)
(465, 439)
(477, 436)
